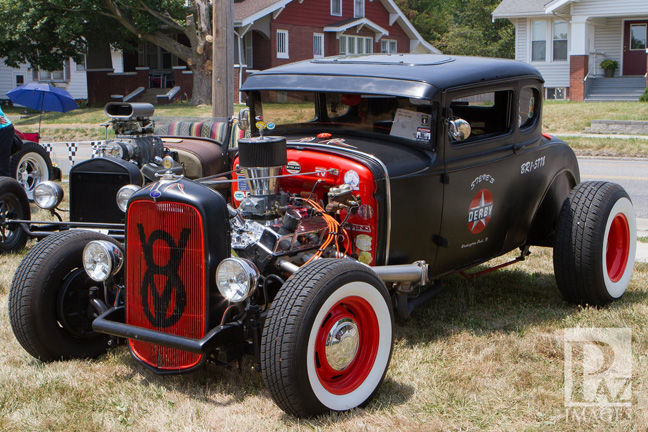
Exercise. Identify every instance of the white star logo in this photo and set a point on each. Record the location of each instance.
(482, 204)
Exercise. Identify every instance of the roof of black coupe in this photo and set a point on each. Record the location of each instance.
(412, 75)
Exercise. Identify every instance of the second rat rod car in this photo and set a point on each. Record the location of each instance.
(383, 174)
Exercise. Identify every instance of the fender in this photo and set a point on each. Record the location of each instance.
(546, 215)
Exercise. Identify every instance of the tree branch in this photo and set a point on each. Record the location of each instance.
(204, 17)
(156, 37)
(165, 18)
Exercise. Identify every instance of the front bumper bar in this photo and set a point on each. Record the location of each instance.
(113, 323)
(41, 229)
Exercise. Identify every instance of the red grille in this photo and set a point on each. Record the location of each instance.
(165, 279)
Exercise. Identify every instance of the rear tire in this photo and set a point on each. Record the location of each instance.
(49, 307)
(595, 244)
(328, 338)
(31, 165)
(13, 205)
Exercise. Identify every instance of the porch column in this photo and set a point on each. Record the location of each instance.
(578, 58)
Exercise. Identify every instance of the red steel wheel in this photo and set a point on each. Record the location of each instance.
(346, 345)
(618, 247)
(328, 338)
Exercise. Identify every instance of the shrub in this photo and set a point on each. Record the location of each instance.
(609, 64)
(644, 97)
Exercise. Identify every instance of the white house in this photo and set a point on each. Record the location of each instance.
(566, 40)
(72, 77)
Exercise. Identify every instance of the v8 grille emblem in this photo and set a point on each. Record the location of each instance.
(159, 315)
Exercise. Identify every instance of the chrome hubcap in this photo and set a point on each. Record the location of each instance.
(29, 174)
(342, 344)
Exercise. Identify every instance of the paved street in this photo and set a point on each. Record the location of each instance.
(632, 174)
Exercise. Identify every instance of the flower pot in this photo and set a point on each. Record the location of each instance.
(608, 73)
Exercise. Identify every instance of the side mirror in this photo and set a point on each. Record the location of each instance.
(244, 119)
(459, 129)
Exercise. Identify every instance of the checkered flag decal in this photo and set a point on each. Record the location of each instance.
(95, 149)
(47, 147)
(72, 151)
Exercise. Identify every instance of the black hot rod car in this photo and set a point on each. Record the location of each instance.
(394, 171)
(134, 157)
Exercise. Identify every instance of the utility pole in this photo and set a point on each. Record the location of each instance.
(223, 58)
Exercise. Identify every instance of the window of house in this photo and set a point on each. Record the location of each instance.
(20, 80)
(318, 45)
(282, 44)
(81, 66)
(529, 107)
(154, 57)
(538, 40)
(388, 46)
(248, 52)
(55, 76)
(358, 8)
(336, 7)
(638, 36)
(356, 45)
(489, 114)
(557, 93)
(560, 40)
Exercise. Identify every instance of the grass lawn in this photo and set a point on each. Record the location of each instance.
(567, 116)
(558, 117)
(487, 354)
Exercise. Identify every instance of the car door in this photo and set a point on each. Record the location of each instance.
(480, 190)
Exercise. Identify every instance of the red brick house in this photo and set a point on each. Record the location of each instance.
(267, 33)
(270, 33)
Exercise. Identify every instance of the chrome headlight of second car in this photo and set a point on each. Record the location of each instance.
(236, 279)
(48, 195)
(124, 194)
(102, 260)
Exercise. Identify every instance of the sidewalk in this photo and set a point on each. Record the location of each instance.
(642, 248)
(596, 135)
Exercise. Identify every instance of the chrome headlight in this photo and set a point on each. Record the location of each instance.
(48, 195)
(102, 260)
(236, 279)
(124, 194)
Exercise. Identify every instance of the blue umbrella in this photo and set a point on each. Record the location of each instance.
(43, 97)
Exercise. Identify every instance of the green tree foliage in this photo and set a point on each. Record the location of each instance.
(462, 27)
(44, 33)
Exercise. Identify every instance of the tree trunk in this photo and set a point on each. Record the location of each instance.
(202, 86)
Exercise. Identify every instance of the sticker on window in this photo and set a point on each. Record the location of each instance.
(408, 124)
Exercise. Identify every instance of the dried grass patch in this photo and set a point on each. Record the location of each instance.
(487, 354)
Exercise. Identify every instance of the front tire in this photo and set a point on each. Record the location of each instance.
(13, 205)
(595, 244)
(49, 300)
(328, 338)
(30, 166)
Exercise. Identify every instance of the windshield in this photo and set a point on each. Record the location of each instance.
(412, 120)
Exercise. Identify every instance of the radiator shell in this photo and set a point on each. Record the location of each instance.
(190, 219)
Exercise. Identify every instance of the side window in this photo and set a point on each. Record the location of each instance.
(489, 114)
(529, 107)
(282, 44)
